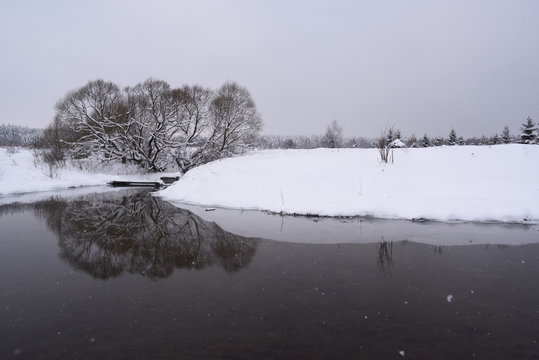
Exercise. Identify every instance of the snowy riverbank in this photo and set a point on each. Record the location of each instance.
(19, 174)
(471, 183)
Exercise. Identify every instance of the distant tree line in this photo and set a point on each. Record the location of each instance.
(16, 135)
(529, 135)
(333, 138)
(154, 125)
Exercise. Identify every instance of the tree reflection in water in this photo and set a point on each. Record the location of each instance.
(109, 234)
(385, 257)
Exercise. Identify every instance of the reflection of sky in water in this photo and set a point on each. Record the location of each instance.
(286, 300)
(313, 230)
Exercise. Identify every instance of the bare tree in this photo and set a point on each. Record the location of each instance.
(97, 119)
(333, 138)
(384, 144)
(155, 126)
(234, 122)
(192, 105)
(17, 135)
(51, 150)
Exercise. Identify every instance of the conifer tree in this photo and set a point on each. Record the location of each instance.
(389, 135)
(425, 142)
(528, 135)
(452, 137)
(506, 136)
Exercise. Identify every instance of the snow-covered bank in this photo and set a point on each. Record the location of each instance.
(19, 174)
(473, 183)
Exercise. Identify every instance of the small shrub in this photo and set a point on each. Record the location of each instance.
(12, 150)
(384, 146)
(52, 161)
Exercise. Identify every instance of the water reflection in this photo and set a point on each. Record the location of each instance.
(438, 250)
(385, 257)
(369, 299)
(106, 235)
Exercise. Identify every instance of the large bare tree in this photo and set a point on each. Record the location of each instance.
(192, 119)
(227, 122)
(234, 118)
(155, 126)
(96, 118)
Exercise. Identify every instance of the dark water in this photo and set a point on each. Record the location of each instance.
(125, 275)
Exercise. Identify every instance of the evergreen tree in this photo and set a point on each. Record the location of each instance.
(452, 137)
(506, 136)
(483, 140)
(528, 136)
(438, 141)
(389, 135)
(425, 142)
(411, 142)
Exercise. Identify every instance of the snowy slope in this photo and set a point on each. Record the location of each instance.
(476, 183)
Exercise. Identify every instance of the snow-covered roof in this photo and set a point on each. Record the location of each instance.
(397, 143)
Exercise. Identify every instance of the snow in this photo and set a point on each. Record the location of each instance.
(458, 183)
(471, 183)
(397, 143)
(19, 174)
(67, 194)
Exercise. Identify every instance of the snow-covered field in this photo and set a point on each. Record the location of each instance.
(19, 174)
(471, 183)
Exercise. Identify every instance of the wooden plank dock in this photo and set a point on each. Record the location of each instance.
(166, 180)
(153, 184)
(169, 179)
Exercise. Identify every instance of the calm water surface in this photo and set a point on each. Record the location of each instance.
(124, 275)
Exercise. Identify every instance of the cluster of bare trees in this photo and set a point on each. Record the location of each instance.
(16, 135)
(155, 126)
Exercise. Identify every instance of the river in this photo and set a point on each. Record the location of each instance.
(123, 274)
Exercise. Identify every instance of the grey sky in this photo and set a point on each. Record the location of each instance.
(423, 66)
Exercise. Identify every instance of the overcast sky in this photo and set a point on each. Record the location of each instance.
(422, 66)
